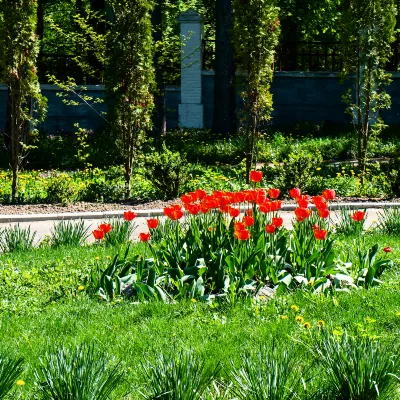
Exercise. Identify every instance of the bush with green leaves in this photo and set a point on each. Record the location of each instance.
(167, 171)
(11, 369)
(61, 189)
(181, 376)
(67, 233)
(15, 238)
(82, 373)
(357, 368)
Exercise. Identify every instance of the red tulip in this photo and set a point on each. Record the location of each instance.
(144, 237)
(302, 213)
(152, 223)
(239, 197)
(329, 194)
(234, 212)
(323, 213)
(242, 234)
(105, 227)
(314, 227)
(201, 194)
(277, 222)
(249, 212)
(276, 205)
(240, 226)
(320, 234)
(358, 216)
(167, 211)
(265, 208)
(129, 215)
(270, 228)
(302, 201)
(176, 214)
(256, 176)
(387, 250)
(193, 209)
(176, 207)
(295, 193)
(248, 221)
(98, 234)
(186, 199)
(274, 193)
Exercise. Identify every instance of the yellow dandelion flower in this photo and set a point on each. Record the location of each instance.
(318, 169)
(370, 320)
(284, 317)
(299, 319)
(336, 332)
(320, 323)
(97, 258)
(307, 325)
(194, 300)
(294, 308)
(80, 288)
(20, 382)
(398, 314)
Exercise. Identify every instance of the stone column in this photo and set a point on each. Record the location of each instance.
(191, 107)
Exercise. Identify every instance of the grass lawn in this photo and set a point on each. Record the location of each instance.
(42, 309)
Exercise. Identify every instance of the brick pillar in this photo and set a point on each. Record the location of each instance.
(191, 107)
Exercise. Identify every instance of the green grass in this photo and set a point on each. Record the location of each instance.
(47, 311)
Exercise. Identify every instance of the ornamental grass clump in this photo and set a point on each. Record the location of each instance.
(82, 373)
(15, 238)
(182, 376)
(389, 221)
(67, 233)
(10, 370)
(274, 374)
(349, 222)
(357, 368)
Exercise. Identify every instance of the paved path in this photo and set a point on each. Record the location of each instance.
(43, 228)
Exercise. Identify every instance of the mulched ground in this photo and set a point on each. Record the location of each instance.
(157, 204)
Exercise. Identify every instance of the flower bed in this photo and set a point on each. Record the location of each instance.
(216, 250)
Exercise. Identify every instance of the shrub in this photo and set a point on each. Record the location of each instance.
(167, 171)
(79, 374)
(10, 370)
(61, 189)
(182, 376)
(357, 368)
(15, 238)
(69, 234)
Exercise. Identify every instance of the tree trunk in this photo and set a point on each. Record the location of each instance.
(159, 115)
(224, 118)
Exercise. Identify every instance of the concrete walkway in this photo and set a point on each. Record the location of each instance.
(43, 228)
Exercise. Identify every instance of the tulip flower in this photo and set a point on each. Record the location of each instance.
(295, 193)
(152, 223)
(248, 221)
(329, 194)
(270, 228)
(387, 250)
(144, 237)
(274, 193)
(240, 226)
(129, 215)
(256, 176)
(277, 222)
(234, 212)
(358, 216)
(242, 234)
(105, 227)
(98, 234)
(323, 213)
(320, 234)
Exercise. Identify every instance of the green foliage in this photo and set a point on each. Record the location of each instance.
(389, 221)
(357, 368)
(67, 233)
(182, 376)
(20, 48)
(121, 232)
(130, 78)
(255, 36)
(345, 225)
(82, 373)
(10, 370)
(167, 171)
(61, 190)
(367, 30)
(15, 238)
(274, 374)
